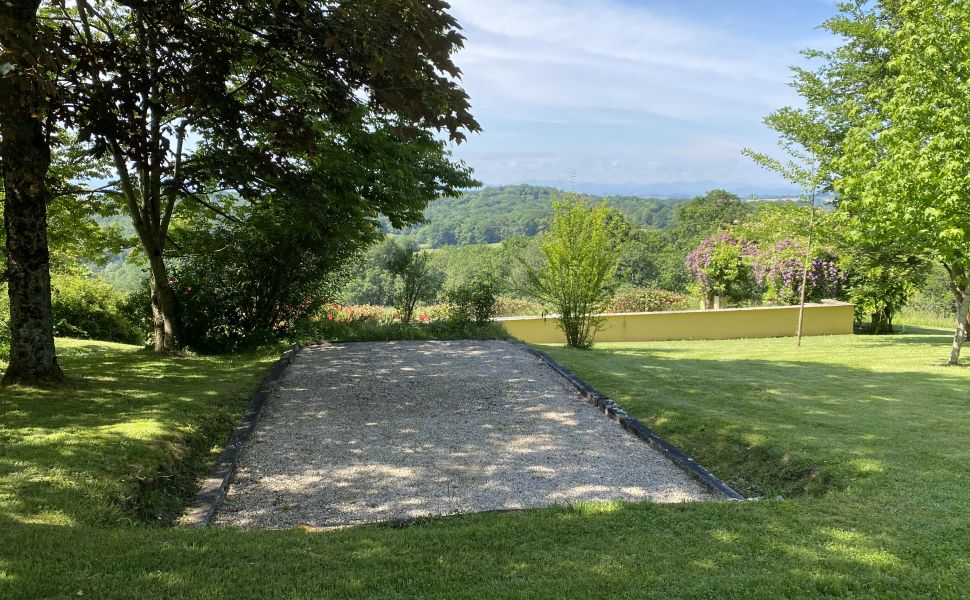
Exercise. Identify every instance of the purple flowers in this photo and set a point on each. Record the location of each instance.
(718, 261)
(724, 265)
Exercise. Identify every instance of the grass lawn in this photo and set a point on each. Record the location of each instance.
(867, 438)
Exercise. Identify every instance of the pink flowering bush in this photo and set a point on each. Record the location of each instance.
(722, 266)
(359, 313)
(778, 270)
(742, 271)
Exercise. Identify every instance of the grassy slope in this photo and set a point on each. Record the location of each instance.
(837, 425)
(124, 441)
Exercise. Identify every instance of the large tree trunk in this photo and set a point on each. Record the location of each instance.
(24, 159)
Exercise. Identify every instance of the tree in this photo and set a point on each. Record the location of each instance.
(417, 281)
(76, 237)
(839, 95)
(882, 277)
(700, 218)
(581, 253)
(371, 282)
(25, 89)
(704, 215)
(190, 99)
(497, 213)
(252, 279)
(903, 172)
(722, 267)
(643, 255)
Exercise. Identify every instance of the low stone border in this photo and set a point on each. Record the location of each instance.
(214, 487)
(634, 426)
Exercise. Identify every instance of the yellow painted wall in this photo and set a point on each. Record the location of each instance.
(829, 318)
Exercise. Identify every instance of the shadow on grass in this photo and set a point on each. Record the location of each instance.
(750, 549)
(125, 439)
(892, 439)
(789, 426)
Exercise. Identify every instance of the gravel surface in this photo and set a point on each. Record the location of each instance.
(365, 432)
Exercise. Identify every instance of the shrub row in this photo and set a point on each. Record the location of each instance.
(84, 308)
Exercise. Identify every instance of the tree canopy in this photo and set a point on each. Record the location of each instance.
(847, 96)
(493, 214)
(330, 106)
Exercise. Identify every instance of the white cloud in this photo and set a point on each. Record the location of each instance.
(607, 55)
(601, 63)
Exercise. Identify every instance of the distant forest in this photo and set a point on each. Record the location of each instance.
(492, 214)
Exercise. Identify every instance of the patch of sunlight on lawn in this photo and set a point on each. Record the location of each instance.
(755, 439)
(867, 466)
(857, 548)
(597, 508)
(140, 429)
(55, 519)
(727, 537)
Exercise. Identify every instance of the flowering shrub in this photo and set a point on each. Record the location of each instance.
(721, 265)
(727, 266)
(359, 313)
(778, 270)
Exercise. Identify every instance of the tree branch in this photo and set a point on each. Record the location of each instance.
(176, 184)
(198, 199)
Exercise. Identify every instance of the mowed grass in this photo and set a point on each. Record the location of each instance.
(866, 437)
(124, 440)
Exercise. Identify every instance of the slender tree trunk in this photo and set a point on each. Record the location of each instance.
(963, 311)
(24, 160)
(152, 228)
(881, 321)
(164, 306)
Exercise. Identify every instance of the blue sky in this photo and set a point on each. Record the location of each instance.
(631, 96)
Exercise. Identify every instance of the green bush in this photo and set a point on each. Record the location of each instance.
(634, 300)
(338, 330)
(248, 282)
(92, 309)
(580, 252)
(417, 280)
(475, 301)
(507, 306)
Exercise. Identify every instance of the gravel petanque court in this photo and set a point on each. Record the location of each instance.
(365, 432)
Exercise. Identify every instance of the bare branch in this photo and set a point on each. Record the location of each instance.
(198, 199)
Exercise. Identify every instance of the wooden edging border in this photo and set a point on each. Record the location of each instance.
(214, 487)
(637, 428)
